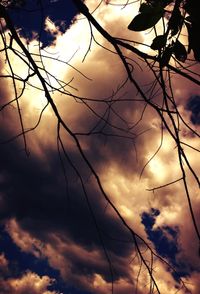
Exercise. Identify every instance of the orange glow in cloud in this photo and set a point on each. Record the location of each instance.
(120, 175)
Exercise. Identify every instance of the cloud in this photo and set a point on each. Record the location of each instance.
(78, 263)
(31, 19)
(51, 218)
(28, 283)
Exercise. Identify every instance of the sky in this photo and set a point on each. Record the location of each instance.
(58, 234)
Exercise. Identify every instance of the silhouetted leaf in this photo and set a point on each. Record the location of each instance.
(188, 18)
(146, 20)
(192, 8)
(175, 22)
(159, 42)
(145, 8)
(180, 51)
(166, 56)
(196, 51)
(188, 26)
(193, 39)
(163, 3)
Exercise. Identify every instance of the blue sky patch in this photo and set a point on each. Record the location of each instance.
(20, 262)
(164, 239)
(30, 18)
(193, 105)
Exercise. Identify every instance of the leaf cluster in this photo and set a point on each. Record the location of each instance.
(184, 13)
(192, 23)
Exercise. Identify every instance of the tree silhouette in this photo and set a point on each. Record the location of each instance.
(170, 53)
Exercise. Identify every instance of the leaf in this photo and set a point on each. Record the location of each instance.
(163, 3)
(188, 18)
(188, 26)
(175, 22)
(179, 51)
(166, 56)
(146, 20)
(145, 8)
(192, 8)
(159, 42)
(195, 41)
(196, 51)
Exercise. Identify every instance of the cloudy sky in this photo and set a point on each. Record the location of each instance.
(59, 233)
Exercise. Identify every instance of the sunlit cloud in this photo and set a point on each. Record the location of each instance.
(28, 283)
(132, 170)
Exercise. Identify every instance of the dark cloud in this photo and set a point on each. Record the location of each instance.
(33, 192)
(193, 105)
(36, 190)
(56, 213)
(30, 18)
(21, 262)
